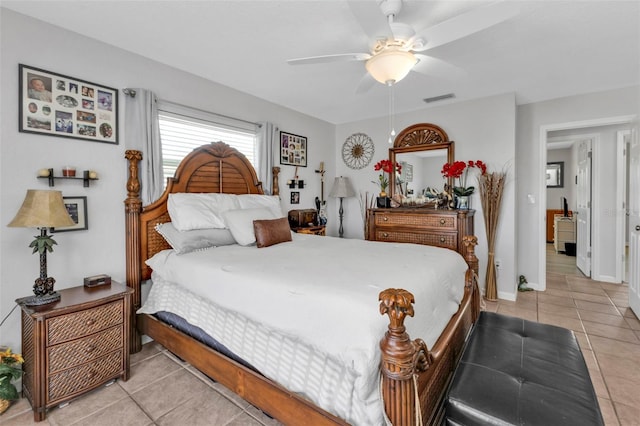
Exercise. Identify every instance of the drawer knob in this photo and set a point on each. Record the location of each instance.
(385, 218)
(91, 374)
(442, 239)
(442, 221)
(385, 235)
(91, 348)
(90, 321)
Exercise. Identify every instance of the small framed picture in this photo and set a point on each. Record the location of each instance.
(77, 208)
(295, 197)
(293, 149)
(58, 105)
(555, 175)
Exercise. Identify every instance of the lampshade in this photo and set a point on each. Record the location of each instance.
(342, 188)
(391, 65)
(42, 209)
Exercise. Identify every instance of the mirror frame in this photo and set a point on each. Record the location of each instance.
(420, 137)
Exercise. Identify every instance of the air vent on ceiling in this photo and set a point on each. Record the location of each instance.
(439, 98)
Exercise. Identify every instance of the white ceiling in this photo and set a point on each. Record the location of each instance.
(550, 49)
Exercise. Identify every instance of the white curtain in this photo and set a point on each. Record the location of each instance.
(267, 139)
(142, 132)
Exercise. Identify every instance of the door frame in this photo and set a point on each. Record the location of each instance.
(542, 183)
(621, 199)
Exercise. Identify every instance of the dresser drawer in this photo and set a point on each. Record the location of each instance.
(78, 324)
(417, 221)
(439, 240)
(84, 377)
(81, 351)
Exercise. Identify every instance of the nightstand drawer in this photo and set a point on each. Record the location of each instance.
(78, 324)
(440, 240)
(69, 354)
(432, 221)
(84, 377)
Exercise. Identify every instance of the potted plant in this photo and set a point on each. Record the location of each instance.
(385, 167)
(459, 170)
(9, 371)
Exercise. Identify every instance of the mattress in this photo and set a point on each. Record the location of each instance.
(305, 313)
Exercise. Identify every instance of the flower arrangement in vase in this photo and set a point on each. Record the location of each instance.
(387, 167)
(9, 371)
(459, 170)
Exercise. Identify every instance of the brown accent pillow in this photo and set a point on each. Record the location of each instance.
(271, 231)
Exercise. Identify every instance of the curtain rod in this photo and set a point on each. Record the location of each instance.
(132, 93)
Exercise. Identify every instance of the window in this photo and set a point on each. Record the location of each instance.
(183, 129)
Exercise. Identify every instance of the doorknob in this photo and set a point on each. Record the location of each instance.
(637, 227)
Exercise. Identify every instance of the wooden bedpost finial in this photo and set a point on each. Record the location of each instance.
(470, 242)
(133, 183)
(275, 171)
(397, 304)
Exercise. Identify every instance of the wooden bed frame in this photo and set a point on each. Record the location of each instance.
(406, 364)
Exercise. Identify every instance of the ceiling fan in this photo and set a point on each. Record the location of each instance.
(398, 48)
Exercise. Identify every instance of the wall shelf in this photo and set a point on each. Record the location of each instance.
(85, 178)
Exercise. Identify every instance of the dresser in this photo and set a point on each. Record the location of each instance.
(564, 231)
(74, 345)
(441, 228)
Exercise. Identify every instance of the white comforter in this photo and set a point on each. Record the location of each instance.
(305, 313)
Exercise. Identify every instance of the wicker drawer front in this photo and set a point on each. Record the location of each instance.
(83, 377)
(440, 240)
(81, 351)
(422, 221)
(78, 324)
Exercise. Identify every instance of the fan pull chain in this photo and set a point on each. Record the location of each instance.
(392, 130)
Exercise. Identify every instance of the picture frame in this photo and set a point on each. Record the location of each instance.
(77, 208)
(295, 197)
(293, 150)
(555, 174)
(54, 104)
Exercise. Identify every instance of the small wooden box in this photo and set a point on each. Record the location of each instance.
(97, 280)
(303, 218)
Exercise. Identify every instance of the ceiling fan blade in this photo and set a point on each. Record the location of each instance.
(341, 57)
(469, 23)
(371, 20)
(365, 84)
(437, 67)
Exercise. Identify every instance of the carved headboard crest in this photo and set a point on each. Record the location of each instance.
(420, 134)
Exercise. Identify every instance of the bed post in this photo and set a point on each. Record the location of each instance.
(401, 359)
(133, 207)
(275, 171)
(471, 278)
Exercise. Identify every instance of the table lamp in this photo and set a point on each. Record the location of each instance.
(42, 209)
(341, 189)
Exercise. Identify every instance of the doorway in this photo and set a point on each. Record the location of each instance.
(603, 225)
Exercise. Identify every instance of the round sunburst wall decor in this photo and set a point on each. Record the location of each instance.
(357, 151)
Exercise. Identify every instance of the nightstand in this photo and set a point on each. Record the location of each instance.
(312, 230)
(74, 345)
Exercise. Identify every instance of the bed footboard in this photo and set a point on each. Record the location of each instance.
(414, 378)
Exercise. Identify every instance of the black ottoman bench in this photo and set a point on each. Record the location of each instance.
(519, 372)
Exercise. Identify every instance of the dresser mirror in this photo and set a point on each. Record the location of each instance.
(422, 149)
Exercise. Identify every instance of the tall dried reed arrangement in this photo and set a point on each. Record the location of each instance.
(491, 187)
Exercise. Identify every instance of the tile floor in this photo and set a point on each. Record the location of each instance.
(163, 390)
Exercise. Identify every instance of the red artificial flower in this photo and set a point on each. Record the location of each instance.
(459, 170)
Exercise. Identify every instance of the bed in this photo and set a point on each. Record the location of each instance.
(413, 374)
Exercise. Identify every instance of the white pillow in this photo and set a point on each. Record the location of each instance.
(254, 201)
(240, 223)
(196, 239)
(199, 211)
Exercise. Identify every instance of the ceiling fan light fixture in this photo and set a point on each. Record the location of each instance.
(391, 65)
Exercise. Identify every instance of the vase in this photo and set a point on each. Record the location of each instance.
(383, 202)
(463, 202)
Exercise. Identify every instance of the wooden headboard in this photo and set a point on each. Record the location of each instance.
(214, 167)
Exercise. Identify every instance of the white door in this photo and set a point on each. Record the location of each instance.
(583, 239)
(634, 224)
